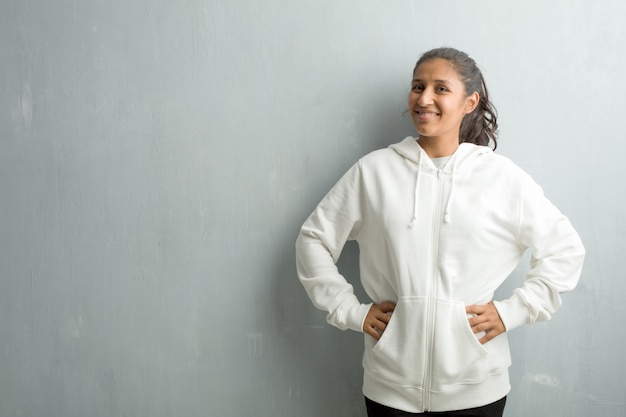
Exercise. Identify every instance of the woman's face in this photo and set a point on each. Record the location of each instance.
(438, 102)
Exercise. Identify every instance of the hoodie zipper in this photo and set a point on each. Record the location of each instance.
(433, 290)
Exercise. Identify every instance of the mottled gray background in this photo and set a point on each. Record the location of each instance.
(158, 157)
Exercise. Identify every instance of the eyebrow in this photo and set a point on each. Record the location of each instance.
(437, 81)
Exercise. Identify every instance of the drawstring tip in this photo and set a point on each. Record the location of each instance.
(412, 223)
(446, 218)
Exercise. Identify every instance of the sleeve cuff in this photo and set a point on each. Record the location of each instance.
(350, 316)
(514, 312)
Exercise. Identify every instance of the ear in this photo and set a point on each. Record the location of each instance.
(471, 102)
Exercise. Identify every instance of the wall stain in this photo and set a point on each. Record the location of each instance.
(255, 345)
(26, 105)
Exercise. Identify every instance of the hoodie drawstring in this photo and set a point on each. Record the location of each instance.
(417, 181)
(414, 154)
(446, 212)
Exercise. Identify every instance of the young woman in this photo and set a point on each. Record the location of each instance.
(441, 221)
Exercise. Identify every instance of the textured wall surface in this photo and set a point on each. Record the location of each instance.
(157, 159)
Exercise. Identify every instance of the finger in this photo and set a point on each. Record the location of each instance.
(482, 327)
(490, 335)
(374, 334)
(371, 330)
(375, 330)
(387, 306)
(383, 317)
(381, 324)
(476, 320)
(480, 318)
(497, 328)
(377, 319)
(485, 339)
(475, 309)
(484, 322)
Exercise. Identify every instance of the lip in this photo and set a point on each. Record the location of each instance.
(426, 114)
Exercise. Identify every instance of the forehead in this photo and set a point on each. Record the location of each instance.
(436, 69)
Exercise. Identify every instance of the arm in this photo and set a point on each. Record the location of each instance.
(336, 219)
(556, 261)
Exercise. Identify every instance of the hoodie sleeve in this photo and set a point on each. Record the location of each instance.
(336, 219)
(556, 260)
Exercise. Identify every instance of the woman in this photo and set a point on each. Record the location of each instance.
(441, 221)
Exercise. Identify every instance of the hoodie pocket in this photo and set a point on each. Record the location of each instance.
(458, 356)
(404, 356)
(398, 356)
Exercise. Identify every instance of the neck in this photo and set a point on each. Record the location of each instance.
(437, 148)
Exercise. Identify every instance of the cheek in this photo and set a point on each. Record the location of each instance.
(460, 108)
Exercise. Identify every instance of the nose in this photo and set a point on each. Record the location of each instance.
(425, 98)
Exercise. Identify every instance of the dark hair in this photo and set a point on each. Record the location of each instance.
(481, 125)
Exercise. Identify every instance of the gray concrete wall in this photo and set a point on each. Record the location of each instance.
(157, 159)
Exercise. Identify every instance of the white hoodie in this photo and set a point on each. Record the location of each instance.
(434, 241)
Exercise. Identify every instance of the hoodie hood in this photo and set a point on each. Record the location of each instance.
(461, 161)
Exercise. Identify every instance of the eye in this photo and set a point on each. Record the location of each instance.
(417, 88)
(442, 89)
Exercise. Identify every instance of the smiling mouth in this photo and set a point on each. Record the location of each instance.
(424, 113)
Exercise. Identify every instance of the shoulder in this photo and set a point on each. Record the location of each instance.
(506, 163)
(378, 157)
(391, 161)
(503, 166)
(407, 149)
(367, 165)
(497, 173)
